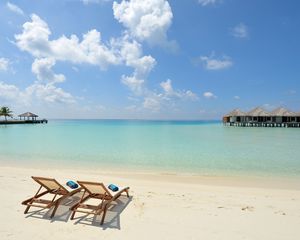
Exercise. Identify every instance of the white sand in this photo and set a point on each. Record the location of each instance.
(161, 207)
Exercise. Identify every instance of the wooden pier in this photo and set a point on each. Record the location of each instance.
(258, 117)
(266, 124)
(9, 122)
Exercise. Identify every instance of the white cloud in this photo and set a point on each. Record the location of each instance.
(189, 94)
(35, 40)
(132, 55)
(237, 97)
(208, 2)
(152, 103)
(4, 64)
(167, 87)
(14, 8)
(125, 50)
(170, 92)
(168, 98)
(9, 92)
(145, 20)
(47, 93)
(42, 68)
(50, 93)
(212, 63)
(209, 95)
(240, 31)
(134, 84)
(131, 52)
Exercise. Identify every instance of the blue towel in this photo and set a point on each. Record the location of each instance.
(113, 187)
(72, 184)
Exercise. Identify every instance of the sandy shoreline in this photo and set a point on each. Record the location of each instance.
(162, 206)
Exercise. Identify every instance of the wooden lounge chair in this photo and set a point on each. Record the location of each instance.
(98, 191)
(51, 187)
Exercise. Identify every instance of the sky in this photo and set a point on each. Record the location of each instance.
(148, 59)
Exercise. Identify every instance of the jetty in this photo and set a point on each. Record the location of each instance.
(25, 118)
(259, 117)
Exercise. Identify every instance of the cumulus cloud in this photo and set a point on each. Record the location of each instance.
(134, 84)
(4, 64)
(50, 93)
(154, 101)
(145, 20)
(35, 40)
(9, 92)
(208, 2)
(125, 50)
(213, 63)
(167, 87)
(170, 92)
(42, 68)
(240, 31)
(14, 8)
(47, 93)
(43, 90)
(209, 95)
(132, 55)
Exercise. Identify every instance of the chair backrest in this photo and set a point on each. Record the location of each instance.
(49, 183)
(94, 188)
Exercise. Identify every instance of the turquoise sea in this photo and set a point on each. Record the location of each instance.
(169, 146)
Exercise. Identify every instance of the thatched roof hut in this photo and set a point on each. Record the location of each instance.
(282, 112)
(235, 113)
(258, 112)
(28, 115)
(297, 114)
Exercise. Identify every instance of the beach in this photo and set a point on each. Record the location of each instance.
(187, 179)
(161, 206)
(149, 120)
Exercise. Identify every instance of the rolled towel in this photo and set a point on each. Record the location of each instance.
(113, 187)
(72, 184)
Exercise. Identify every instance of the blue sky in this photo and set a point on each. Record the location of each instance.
(154, 59)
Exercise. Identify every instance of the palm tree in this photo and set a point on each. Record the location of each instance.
(6, 112)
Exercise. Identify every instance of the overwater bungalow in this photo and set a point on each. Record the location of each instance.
(235, 115)
(259, 117)
(282, 115)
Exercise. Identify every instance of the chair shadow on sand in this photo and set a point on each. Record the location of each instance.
(112, 219)
(63, 213)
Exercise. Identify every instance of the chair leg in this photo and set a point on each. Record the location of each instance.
(103, 216)
(27, 209)
(127, 193)
(54, 210)
(73, 215)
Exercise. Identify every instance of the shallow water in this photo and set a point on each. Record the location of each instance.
(180, 146)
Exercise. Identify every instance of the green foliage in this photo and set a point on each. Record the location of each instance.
(6, 112)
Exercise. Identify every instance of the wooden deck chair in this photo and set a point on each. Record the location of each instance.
(51, 187)
(94, 190)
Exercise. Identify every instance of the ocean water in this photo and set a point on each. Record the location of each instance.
(169, 146)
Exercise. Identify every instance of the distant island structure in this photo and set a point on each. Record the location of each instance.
(25, 118)
(259, 117)
(28, 115)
